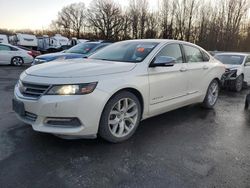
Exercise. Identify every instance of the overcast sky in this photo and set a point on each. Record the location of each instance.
(37, 14)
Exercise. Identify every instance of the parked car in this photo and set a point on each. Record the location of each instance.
(79, 51)
(238, 70)
(115, 88)
(33, 53)
(13, 55)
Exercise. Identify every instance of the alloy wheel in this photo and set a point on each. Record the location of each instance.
(17, 61)
(213, 93)
(123, 117)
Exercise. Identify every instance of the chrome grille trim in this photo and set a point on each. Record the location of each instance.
(33, 91)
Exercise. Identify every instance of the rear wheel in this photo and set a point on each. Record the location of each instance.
(120, 118)
(17, 61)
(212, 95)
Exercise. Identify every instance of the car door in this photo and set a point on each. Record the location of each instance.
(168, 85)
(247, 70)
(5, 54)
(198, 67)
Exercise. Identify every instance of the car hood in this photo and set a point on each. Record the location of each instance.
(79, 68)
(232, 66)
(60, 55)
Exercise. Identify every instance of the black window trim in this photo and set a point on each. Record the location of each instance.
(165, 45)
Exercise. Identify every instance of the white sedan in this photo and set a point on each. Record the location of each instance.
(237, 70)
(109, 93)
(13, 55)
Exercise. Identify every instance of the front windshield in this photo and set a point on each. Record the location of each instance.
(83, 48)
(230, 59)
(127, 51)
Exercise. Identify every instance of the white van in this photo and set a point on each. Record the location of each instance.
(4, 39)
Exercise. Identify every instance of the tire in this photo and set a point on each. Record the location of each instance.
(247, 101)
(212, 95)
(118, 122)
(17, 61)
(238, 85)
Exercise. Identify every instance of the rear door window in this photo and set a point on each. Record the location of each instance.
(193, 54)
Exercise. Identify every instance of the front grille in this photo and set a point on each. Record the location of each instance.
(30, 116)
(33, 90)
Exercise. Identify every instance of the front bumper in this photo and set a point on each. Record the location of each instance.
(85, 108)
(228, 79)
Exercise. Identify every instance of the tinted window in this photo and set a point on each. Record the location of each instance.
(230, 59)
(126, 51)
(82, 48)
(4, 48)
(206, 57)
(14, 49)
(172, 50)
(99, 47)
(193, 54)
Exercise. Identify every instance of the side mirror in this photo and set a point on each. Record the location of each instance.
(163, 61)
(247, 64)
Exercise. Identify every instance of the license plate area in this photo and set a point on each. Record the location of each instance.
(18, 107)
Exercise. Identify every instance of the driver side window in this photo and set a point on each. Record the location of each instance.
(172, 50)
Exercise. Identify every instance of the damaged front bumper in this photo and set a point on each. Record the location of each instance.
(229, 78)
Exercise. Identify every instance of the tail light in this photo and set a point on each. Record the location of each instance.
(30, 53)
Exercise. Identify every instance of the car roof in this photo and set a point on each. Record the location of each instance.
(161, 41)
(12, 46)
(233, 53)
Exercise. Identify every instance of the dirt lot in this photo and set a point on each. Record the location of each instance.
(189, 147)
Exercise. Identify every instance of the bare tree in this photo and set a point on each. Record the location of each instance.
(152, 26)
(71, 19)
(106, 17)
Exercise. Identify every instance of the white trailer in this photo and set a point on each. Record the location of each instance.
(51, 44)
(4, 39)
(26, 40)
(59, 40)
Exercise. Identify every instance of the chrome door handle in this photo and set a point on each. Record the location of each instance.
(183, 69)
(205, 67)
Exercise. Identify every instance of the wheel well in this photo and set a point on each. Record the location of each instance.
(136, 93)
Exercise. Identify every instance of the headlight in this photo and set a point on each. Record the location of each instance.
(38, 61)
(61, 58)
(76, 89)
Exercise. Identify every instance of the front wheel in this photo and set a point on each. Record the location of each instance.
(17, 61)
(120, 118)
(212, 95)
(239, 83)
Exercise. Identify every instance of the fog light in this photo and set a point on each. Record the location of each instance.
(63, 122)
